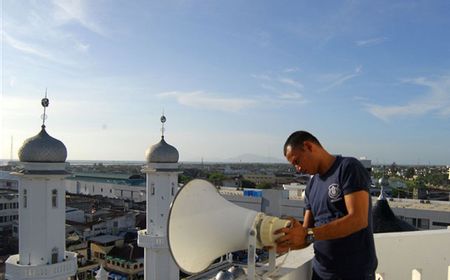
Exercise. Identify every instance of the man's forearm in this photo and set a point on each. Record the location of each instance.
(339, 228)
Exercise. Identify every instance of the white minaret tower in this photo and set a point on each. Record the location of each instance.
(162, 184)
(102, 274)
(42, 208)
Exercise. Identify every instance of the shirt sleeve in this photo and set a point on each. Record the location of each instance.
(355, 177)
(307, 204)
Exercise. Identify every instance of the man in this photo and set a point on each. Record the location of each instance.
(338, 216)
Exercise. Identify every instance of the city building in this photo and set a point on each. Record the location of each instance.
(8, 181)
(119, 186)
(9, 213)
(102, 221)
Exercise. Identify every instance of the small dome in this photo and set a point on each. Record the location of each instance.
(224, 275)
(236, 271)
(162, 153)
(383, 181)
(42, 148)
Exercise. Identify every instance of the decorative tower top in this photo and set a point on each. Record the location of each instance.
(44, 102)
(42, 147)
(163, 120)
(162, 152)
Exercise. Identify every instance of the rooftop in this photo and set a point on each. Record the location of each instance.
(102, 239)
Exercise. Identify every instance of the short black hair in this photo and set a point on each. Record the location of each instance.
(297, 138)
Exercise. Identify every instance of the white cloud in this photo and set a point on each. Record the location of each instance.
(200, 99)
(24, 47)
(291, 70)
(283, 89)
(12, 81)
(291, 82)
(292, 96)
(371, 42)
(76, 10)
(436, 99)
(342, 78)
(82, 47)
(262, 77)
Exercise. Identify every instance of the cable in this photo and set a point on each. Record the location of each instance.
(277, 268)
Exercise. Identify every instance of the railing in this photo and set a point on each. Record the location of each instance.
(148, 241)
(413, 255)
(66, 268)
(401, 255)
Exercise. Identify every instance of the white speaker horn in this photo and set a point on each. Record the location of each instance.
(202, 226)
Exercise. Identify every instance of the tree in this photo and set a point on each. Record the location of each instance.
(410, 172)
(247, 184)
(217, 178)
(264, 185)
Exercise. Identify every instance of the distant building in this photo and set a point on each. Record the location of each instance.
(9, 213)
(102, 221)
(126, 261)
(101, 245)
(121, 186)
(8, 181)
(259, 178)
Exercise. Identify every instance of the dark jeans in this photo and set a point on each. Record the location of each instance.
(367, 277)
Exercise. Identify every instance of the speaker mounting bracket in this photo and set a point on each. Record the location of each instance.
(251, 254)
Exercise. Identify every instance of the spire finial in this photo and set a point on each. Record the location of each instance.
(44, 103)
(163, 120)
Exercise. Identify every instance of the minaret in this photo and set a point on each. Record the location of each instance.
(162, 184)
(42, 208)
(102, 274)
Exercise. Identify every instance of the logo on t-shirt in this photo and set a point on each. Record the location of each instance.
(334, 192)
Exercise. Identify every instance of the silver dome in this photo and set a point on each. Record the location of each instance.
(383, 181)
(224, 275)
(42, 148)
(236, 271)
(162, 153)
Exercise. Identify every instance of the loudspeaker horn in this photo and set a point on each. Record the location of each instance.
(202, 226)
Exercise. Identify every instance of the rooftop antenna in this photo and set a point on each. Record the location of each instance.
(11, 151)
(163, 120)
(44, 103)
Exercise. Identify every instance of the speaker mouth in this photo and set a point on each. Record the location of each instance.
(171, 209)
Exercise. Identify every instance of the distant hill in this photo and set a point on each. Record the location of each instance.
(252, 158)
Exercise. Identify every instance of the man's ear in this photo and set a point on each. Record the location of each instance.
(308, 145)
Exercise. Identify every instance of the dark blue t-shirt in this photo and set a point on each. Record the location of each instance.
(352, 256)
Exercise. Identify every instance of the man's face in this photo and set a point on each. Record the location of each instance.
(301, 158)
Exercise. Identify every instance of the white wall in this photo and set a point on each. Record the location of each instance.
(400, 253)
(41, 227)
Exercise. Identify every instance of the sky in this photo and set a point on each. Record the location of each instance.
(367, 78)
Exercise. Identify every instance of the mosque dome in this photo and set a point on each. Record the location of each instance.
(162, 153)
(383, 181)
(42, 148)
(224, 275)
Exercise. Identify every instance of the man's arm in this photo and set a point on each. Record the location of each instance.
(357, 204)
(308, 219)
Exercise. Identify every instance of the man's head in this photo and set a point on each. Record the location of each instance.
(303, 150)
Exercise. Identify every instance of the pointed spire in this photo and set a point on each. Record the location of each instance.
(163, 120)
(44, 103)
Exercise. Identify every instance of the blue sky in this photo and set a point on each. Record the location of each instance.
(368, 78)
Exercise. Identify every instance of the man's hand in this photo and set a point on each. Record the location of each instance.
(293, 238)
